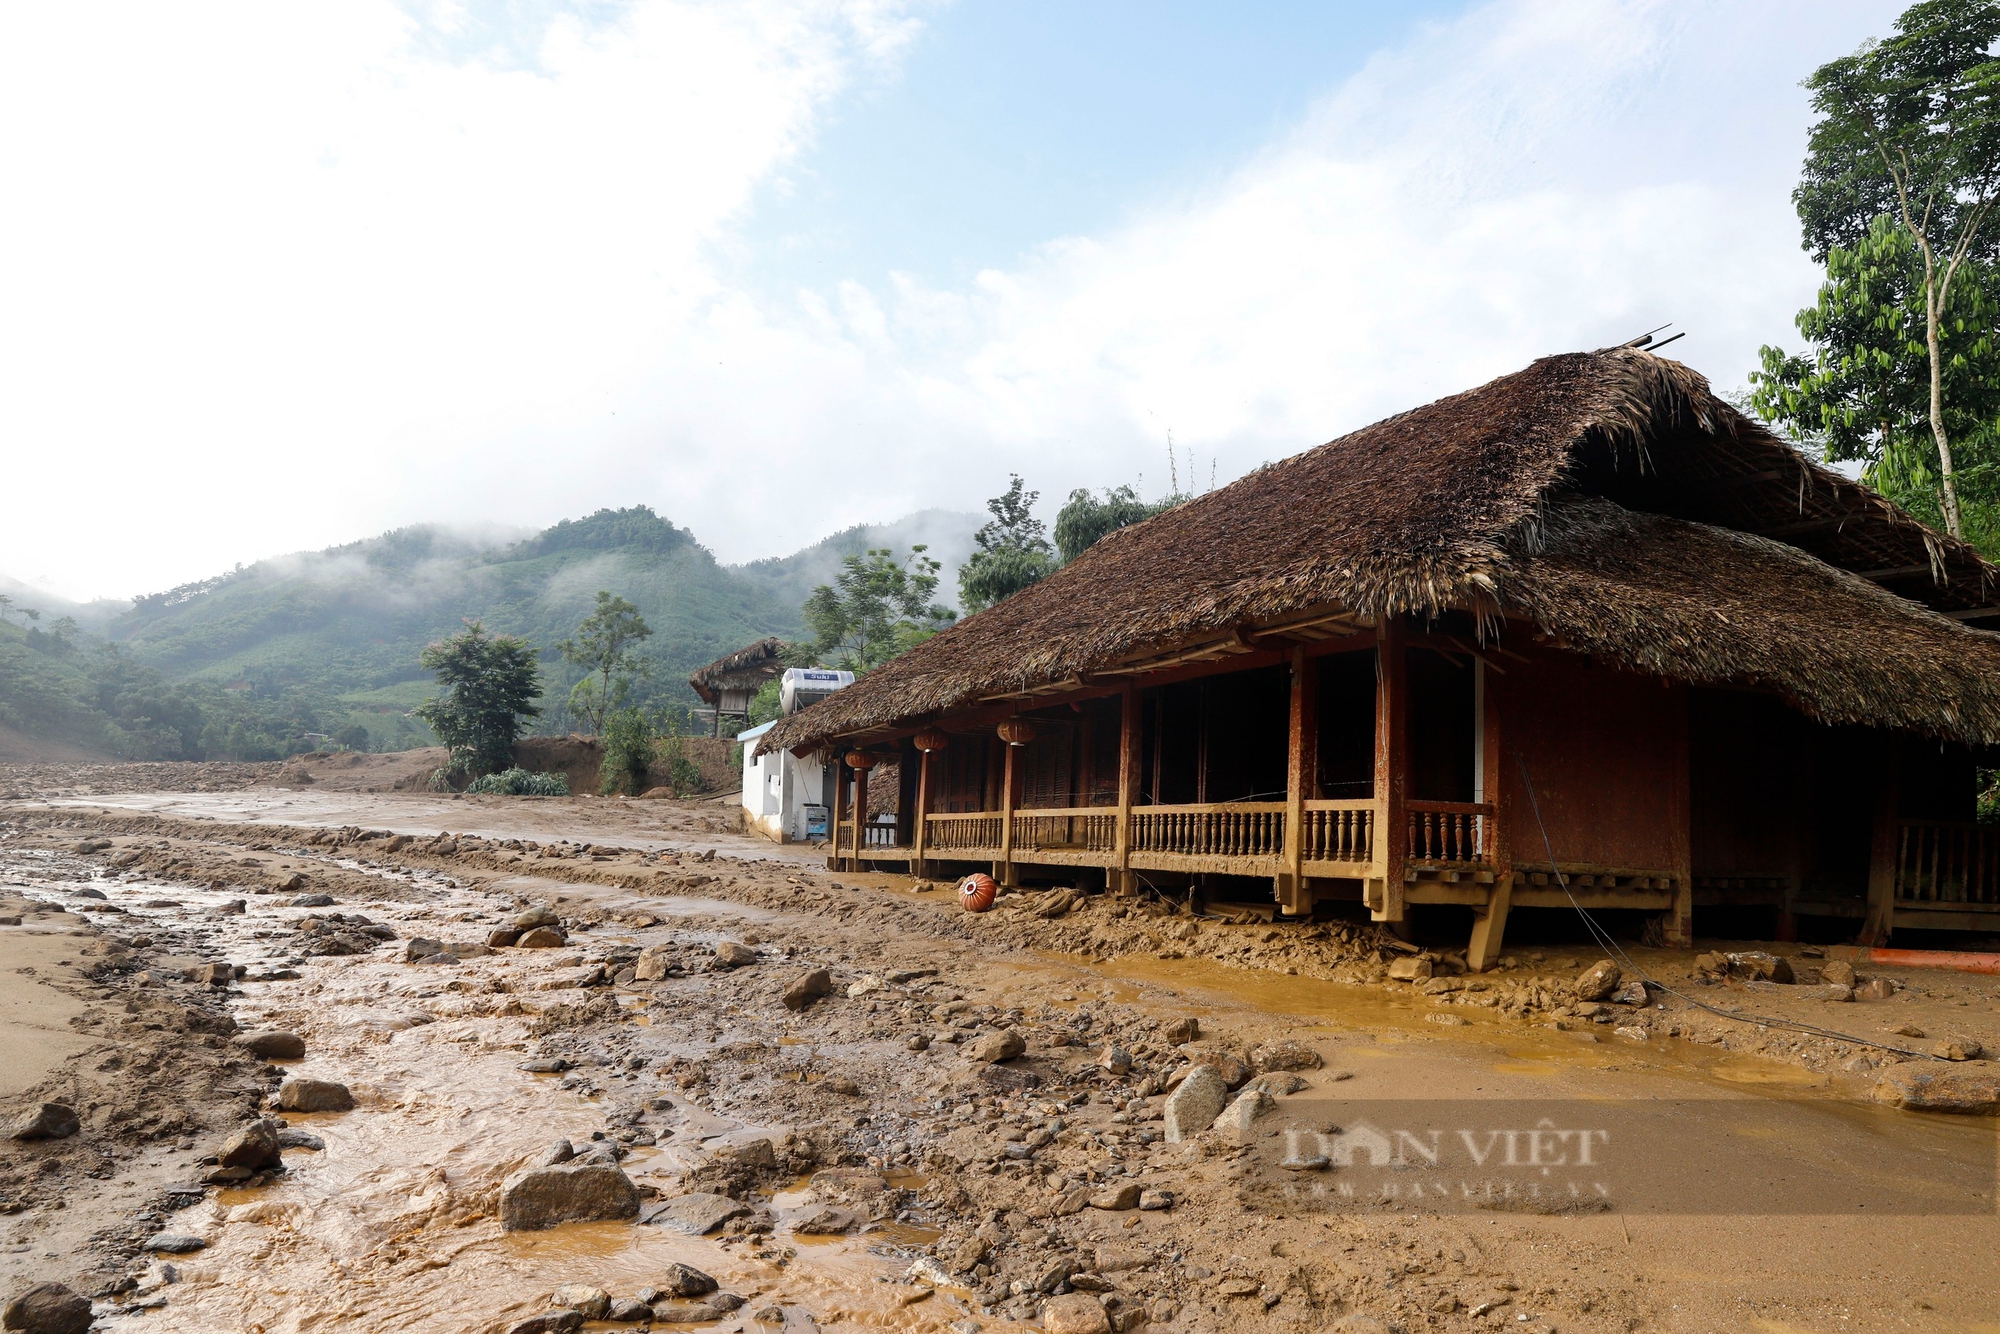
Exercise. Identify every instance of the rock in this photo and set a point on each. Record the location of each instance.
(47, 1120)
(1115, 1060)
(681, 1280)
(808, 988)
(1957, 1049)
(651, 966)
(314, 1095)
(500, 937)
(173, 1243)
(629, 1310)
(255, 1146)
(695, 1215)
(1875, 989)
(1837, 973)
(824, 1221)
(1357, 1324)
(1117, 1259)
(1910, 1031)
(1238, 1120)
(1598, 981)
(421, 947)
(47, 1308)
(274, 1044)
(544, 1065)
(311, 901)
(1122, 1196)
(686, 1313)
(1075, 1313)
(1193, 1107)
(542, 938)
(290, 1138)
(1185, 1029)
(917, 1042)
(540, 915)
(1410, 968)
(991, 1048)
(866, 985)
(1631, 993)
(553, 1322)
(216, 974)
(541, 1197)
(558, 1153)
(88, 893)
(1286, 1055)
(1758, 966)
(1278, 1085)
(844, 1086)
(592, 1302)
(1970, 1090)
(730, 954)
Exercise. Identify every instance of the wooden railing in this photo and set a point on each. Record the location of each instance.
(979, 831)
(1338, 831)
(1073, 829)
(879, 836)
(1451, 832)
(1238, 829)
(1940, 862)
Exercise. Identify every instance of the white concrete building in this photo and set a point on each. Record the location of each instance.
(784, 798)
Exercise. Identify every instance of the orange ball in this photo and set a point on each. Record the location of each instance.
(976, 892)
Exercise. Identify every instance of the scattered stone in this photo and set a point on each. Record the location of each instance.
(1193, 1106)
(1758, 966)
(500, 937)
(1410, 968)
(1115, 1060)
(1119, 1197)
(681, 1280)
(1238, 1120)
(540, 915)
(47, 1120)
(1957, 1049)
(1875, 989)
(255, 1147)
(1631, 993)
(866, 985)
(293, 1138)
(541, 1197)
(824, 1221)
(553, 1322)
(1838, 973)
(1286, 1055)
(311, 901)
(808, 988)
(274, 1044)
(1598, 981)
(1909, 1031)
(542, 938)
(592, 1302)
(1075, 1313)
(47, 1308)
(992, 1048)
(559, 1153)
(730, 954)
(629, 1310)
(695, 1215)
(1185, 1029)
(1970, 1090)
(216, 974)
(546, 1065)
(917, 1042)
(1278, 1085)
(173, 1243)
(314, 1095)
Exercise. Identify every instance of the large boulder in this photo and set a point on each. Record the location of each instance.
(47, 1308)
(1598, 981)
(733, 954)
(1004, 1045)
(255, 1146)
(808, 988)
(543, 938)
(314, 1095)
(1194, 1105)
(541, 1197)
(46, 1120)
(274, 1044)
(1923, 1086)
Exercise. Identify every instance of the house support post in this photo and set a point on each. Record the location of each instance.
(834, 821)
(860, 816)
(1384, 887)
(1003, 870)
(1679, 933)
(1301, 765)
(1489, 925)
(1123, 882)
(1880, 923)
(920, 834)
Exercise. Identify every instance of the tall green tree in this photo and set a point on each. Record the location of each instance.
(1012, 551)
(1084, 519)
(875, 608)
(490, 684)
(606, 647)
(1909, 129)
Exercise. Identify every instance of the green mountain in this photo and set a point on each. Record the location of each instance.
(276, 656)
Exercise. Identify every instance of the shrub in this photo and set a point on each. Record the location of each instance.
(519, 782)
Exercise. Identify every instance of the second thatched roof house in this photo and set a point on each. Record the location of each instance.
(1585, 629)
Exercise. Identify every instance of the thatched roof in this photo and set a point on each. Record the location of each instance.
(1606, 499)
(750, 666)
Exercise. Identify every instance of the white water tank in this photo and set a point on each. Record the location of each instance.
(809, 685)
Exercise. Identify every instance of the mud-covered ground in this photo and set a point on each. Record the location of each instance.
(892, 1177)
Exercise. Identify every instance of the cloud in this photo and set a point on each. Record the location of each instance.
(283, 279)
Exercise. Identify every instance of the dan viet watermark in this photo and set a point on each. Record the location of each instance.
(1729, 1156)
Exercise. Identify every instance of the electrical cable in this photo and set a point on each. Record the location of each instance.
(1610, 946)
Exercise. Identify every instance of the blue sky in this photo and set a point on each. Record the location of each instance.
(281, 277)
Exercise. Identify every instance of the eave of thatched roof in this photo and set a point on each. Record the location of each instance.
(761, 659)
(1606, 498)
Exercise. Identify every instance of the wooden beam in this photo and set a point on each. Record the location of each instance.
(1489, 923)
(1808, 525)
(918, 838)
(1881, 920)
(839, 805)
(1301, 764)
(1129, 735)
(1392, 763)
(1680, 829)
(1896, 572)
(860, 814)
(1971, 614)
(1008, 796)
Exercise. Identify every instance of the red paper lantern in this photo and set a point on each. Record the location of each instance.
(976, 892)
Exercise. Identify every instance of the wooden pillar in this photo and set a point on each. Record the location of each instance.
(1680, 827)
(860, 815)
(1130, 734)
(834, 818)
(1489, 925)
(1384, 887)
(1880, 923)
(1301, 766)
(920, 835)
(1008, 796)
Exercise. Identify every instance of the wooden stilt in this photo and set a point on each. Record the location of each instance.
(1301, 763)
(1489, 925)
(1009, 794)
(1680, 826)
(921, 832)
(1129, 732)
(833, 827)
(1880, 923)
(1392, 839)
(860, 815)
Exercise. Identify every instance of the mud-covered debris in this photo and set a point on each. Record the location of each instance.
(1284, 1055)
(541, 1197)
(824, 1221)
(1410, 968)
(695, 1215)
(1969, 1090)
(314, 1095)
(808, 988)
(273, 1044)
(47, 1120)
(1598, 981)
(1957, 1049)
(47, 1308)
(1075, 1313)
(1837, 972)
(593, 1302)
(1875, 989)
